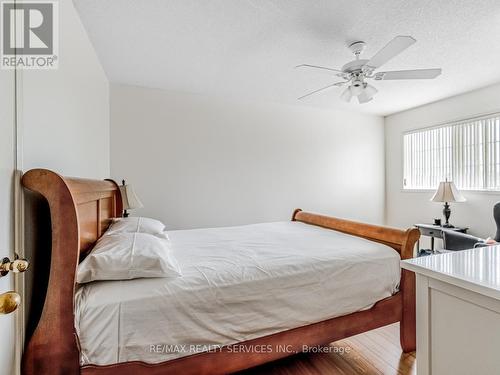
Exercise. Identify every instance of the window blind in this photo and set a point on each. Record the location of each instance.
(465, 152)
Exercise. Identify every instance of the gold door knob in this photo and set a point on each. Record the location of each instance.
(9, 302)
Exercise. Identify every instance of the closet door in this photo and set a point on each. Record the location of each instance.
(7, 163)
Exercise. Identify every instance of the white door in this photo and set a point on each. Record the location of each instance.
(7, 160)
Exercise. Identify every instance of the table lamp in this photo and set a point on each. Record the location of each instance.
(129, 198)
(447, 192)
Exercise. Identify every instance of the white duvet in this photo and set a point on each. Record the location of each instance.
(238, 283)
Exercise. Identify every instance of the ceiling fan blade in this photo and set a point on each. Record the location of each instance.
(392, 49)
(364, 97)
(319, 67)
(321, 89)
(409, 74)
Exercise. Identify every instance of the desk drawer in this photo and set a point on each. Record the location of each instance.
(431, 232)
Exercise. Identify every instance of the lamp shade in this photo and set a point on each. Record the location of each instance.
(357, 88)
(447, 192)
(370, 90)
(346, 95)
(129, 198)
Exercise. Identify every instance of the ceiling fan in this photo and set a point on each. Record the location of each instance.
(358, 71)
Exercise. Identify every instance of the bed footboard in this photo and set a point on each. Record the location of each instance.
(403, 241)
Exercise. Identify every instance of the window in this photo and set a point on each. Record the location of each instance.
(465, 152)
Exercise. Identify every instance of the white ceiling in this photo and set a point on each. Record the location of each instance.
(248, 48)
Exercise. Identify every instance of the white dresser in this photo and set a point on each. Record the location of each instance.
(458, 312)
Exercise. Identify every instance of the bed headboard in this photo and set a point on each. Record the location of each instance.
(80, 211)
(86, 207)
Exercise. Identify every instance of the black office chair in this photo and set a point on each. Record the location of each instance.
(496, 216)
(459, 241)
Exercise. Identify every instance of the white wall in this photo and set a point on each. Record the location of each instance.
(199, 161)
(7, 152)
(406, 208)
(65, 112)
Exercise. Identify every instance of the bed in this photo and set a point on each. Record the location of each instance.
(263, 291)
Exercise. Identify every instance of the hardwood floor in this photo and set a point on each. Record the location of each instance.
(372, 353)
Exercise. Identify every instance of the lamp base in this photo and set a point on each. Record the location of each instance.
(447, 213)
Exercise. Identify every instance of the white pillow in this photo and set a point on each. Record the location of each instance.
(124, 256)
(137, 225)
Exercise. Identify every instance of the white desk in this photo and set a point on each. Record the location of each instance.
(458, 312)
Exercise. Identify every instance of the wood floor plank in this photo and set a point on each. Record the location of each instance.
(373, 359)
(372, 353)
(386, 351)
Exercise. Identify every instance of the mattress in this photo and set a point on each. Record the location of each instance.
(239, 283)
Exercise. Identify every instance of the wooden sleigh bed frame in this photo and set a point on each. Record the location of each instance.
(81, 210)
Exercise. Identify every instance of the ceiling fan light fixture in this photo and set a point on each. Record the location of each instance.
(363, 98)
(370, 91)
(357, 87)
(346, 95)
